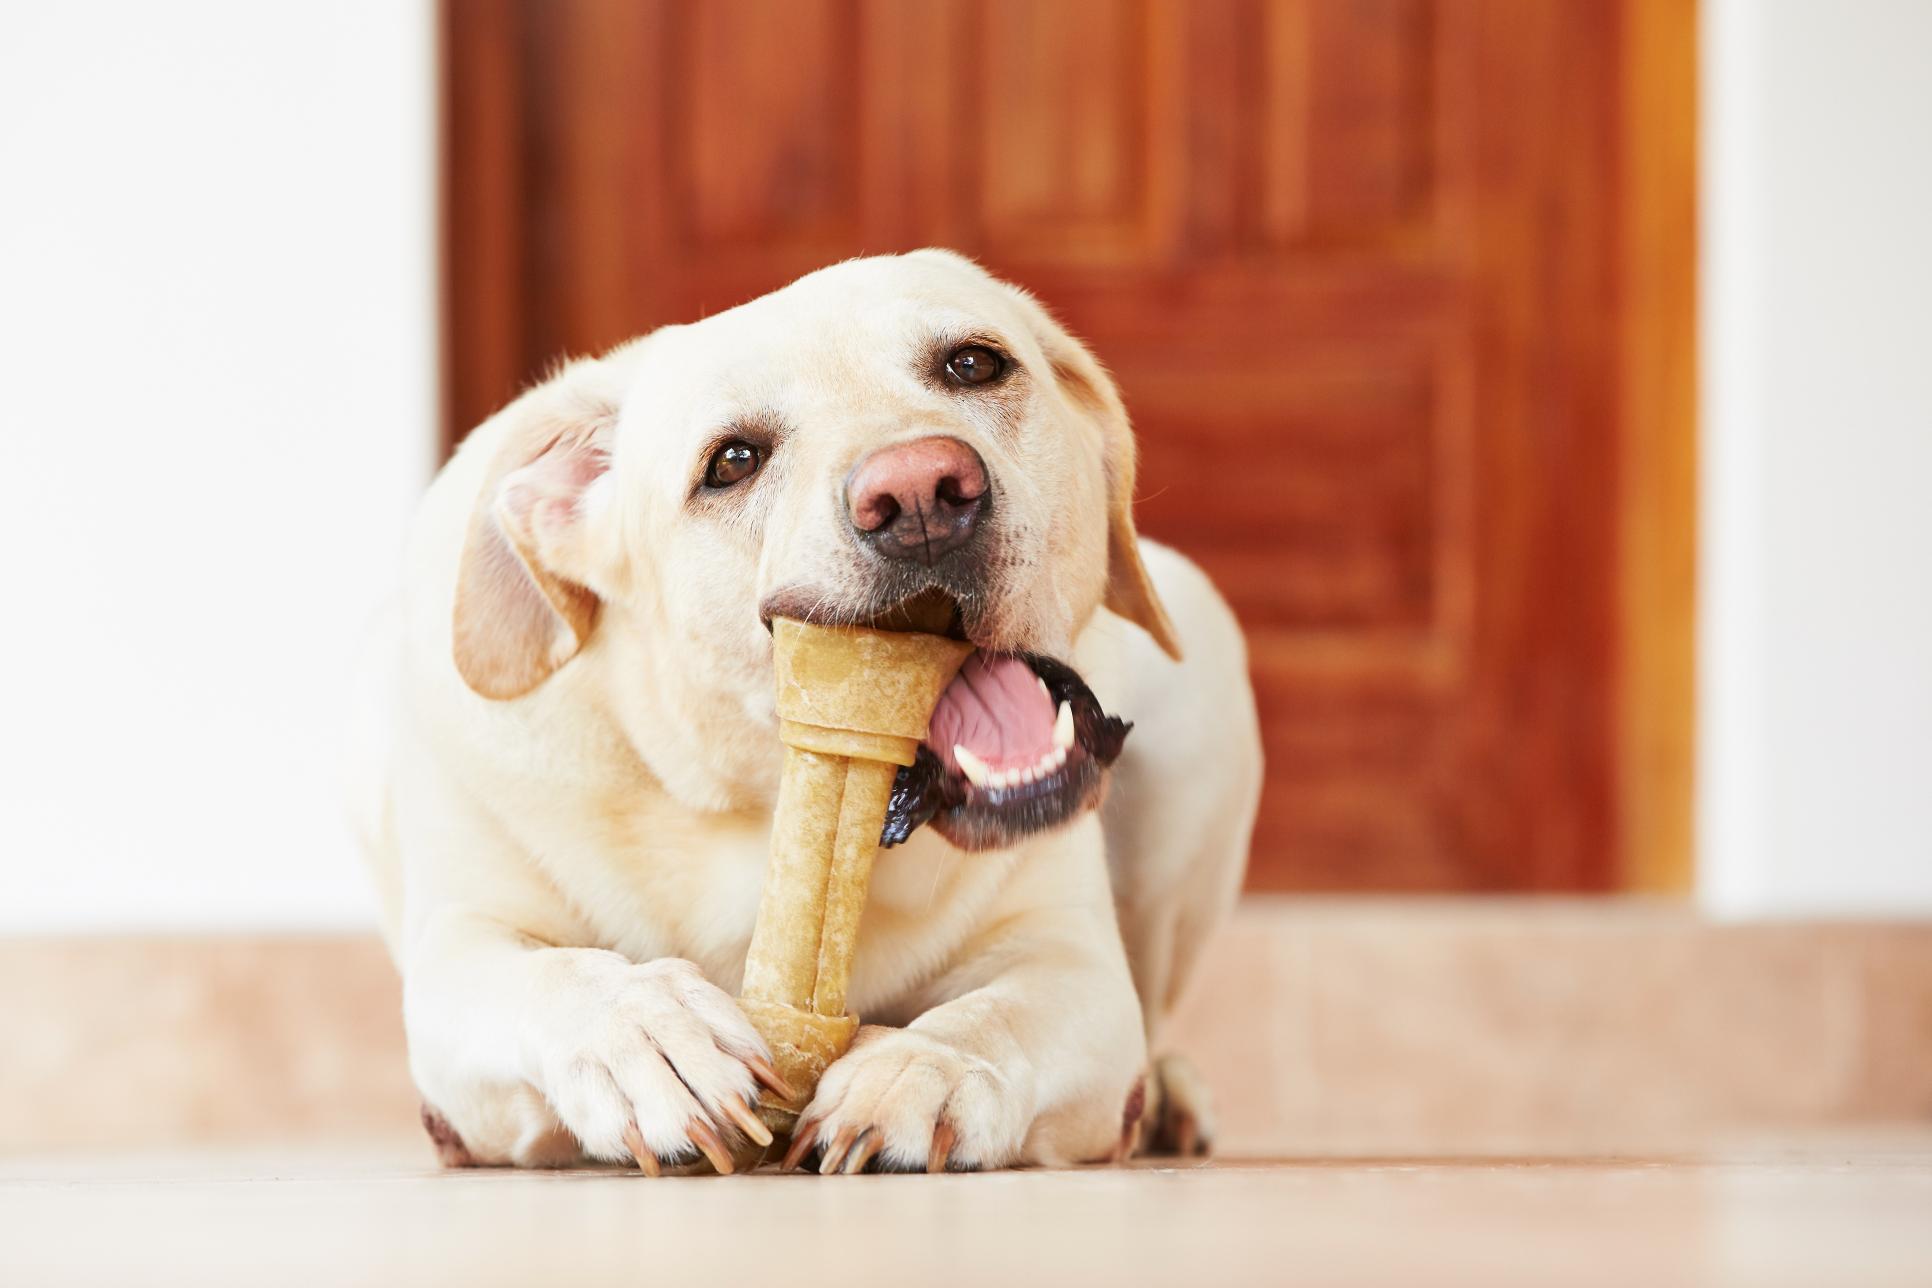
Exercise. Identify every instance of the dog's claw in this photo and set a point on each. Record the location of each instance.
(748, 1123)
(941, 1152)
(835, 1153)
(646, 1161)
(868, 1144)
(706, 1138)
(803, 1135)
(768, 1077)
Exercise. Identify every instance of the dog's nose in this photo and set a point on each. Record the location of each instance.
(918, 500)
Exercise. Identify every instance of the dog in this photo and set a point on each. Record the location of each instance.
(569, 756)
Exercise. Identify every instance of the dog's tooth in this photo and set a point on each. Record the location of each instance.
(1063, 727)
(973, 767)
(1028, 774)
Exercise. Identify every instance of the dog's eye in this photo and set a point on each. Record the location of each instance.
(733, 463)
(975, 364)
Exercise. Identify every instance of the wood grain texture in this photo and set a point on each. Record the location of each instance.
(484, 198)
(1395, 289)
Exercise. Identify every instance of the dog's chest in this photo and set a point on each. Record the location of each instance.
(666, 882)
(661, 881)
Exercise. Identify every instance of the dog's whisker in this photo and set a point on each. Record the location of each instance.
(938, 874)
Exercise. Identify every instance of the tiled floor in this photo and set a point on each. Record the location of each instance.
(1847, 1212)
(1352, 1026)
(1460, 1031)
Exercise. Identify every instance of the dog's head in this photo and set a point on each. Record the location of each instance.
(885, 433)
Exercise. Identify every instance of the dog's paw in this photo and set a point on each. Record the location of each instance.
(1179, 1121)
(649, 1063)
(900, 1100)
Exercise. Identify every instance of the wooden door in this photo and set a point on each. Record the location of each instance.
(1396, 290)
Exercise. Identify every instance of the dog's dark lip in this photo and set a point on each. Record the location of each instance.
(982, 818)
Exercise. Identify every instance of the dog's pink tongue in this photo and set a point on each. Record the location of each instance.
(997, 709)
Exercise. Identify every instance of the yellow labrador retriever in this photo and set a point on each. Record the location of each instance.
(568, 801)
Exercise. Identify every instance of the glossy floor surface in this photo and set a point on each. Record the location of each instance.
(1843, 1212)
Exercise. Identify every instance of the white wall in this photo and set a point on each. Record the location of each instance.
(1816, 661)
(216, 406)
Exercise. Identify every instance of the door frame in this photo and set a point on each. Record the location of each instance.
(1657, 501)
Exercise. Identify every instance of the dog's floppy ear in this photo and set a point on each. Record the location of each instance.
(1130, 593)
(521, 608)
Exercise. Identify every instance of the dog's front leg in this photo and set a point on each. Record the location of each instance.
(531, 1053)
(1029, 1050)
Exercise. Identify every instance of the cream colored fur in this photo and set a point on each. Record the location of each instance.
(570, 875)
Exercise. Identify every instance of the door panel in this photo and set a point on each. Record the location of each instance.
(1356, 265)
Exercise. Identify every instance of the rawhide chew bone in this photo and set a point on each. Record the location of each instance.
(853, 705)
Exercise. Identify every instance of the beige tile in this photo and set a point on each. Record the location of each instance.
(1894, 968)
(123, 1042)
(1550, 1026)
(1325, 1026)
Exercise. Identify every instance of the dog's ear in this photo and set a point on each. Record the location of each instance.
(522, 609)
(1130, 592)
